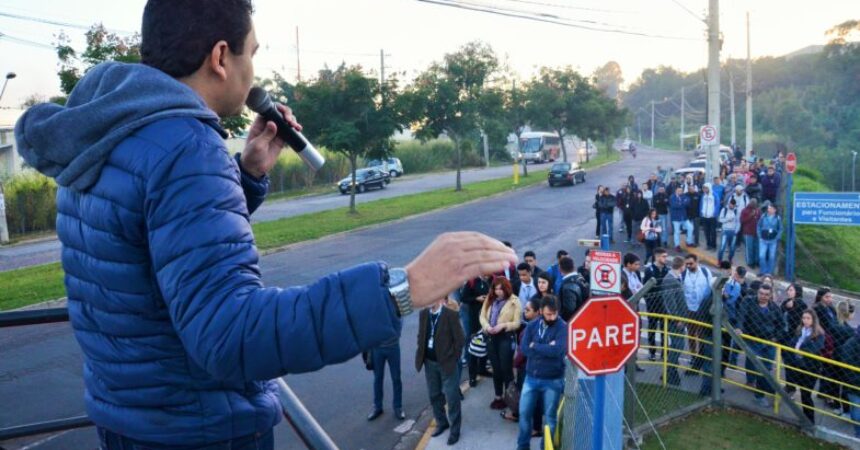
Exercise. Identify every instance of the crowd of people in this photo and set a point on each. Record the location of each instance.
(511, 327)
(736, 208)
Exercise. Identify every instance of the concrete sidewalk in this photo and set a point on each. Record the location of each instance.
(482, 427)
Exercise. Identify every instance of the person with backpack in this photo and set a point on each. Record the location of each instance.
(769, 232)
(697, 281)
(661, 204)
(640, 209)
(574, 291)
(694, 193)
(531, 311)
(654, 300)
(741, 197)
(626, 198)
(596, 207)
(761, 319)
(731, 225)
(606, 206)
(750, 216)
(841, 333)
(672, 299)
(473, 295)
(651, 229)
(709, 211)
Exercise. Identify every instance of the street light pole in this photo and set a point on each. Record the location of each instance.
(4, 227)
(9, 76)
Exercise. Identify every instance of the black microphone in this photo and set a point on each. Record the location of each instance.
(259, 102)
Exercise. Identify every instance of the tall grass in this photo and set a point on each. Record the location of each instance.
(30, 203)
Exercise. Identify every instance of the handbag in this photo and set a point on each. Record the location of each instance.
(478, 345)
(512, 397)
(640, 236)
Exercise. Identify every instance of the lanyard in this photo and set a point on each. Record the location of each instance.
(542, 330)
(434, 319)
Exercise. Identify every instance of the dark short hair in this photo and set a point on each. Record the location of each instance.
(587, 251)
(530, 253)
(566, 264)
(178, 35)
(560, 253)
(631, 258)
(677, 263)
(765, 287)
(550, 302)
(725, 264)
(524, 266)
(691, 256)
(741, 270)
(660, 251)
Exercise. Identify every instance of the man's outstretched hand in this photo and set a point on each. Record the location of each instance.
(264, 146)
(452, 259)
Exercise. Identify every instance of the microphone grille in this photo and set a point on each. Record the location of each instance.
(258, 100)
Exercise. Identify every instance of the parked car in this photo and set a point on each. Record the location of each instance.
(392, 166)
(689, 171)
(565, 173)
(698, 164)
(364, 180)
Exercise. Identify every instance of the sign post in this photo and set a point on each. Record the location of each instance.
(599, 410)
(709, 136)
(790, 167)
(603, 335)
(819, 208)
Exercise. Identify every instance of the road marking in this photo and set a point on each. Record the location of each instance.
(405, 427)
(43, 441)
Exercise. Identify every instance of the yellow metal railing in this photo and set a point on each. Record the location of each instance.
(778, 362)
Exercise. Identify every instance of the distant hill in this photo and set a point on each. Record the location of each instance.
(809, 50)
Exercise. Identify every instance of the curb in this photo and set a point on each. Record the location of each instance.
(425, 438)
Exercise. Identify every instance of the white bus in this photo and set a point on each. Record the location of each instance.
(539, 146)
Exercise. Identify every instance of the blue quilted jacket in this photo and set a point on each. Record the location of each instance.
(178, 332)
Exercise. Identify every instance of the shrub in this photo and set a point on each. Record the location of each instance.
(438, 154)
(30, 203)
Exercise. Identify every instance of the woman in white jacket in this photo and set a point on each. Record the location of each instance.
(651, 230)
(730, 219)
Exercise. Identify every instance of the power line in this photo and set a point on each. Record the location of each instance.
(580, 8)
(689, 11)
(536, 13)
(55, 22)
(499, 12)
(16, 40)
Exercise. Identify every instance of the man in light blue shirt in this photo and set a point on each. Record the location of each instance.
(697, 292)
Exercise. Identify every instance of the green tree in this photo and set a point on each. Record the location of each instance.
(447, 97)
(349, 113)
(608, 78)
(104, 45)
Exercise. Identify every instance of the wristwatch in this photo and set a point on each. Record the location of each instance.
(398, 286)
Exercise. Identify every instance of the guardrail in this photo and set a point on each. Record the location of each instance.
(309, 431)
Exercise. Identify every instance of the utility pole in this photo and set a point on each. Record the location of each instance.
(749, 112)
(713, 166)
(298, 58)
(639, 126)
(382, 67)
(682, 118)
(652, 123)
(732, 108)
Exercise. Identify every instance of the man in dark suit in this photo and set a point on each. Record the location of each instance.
(531, 259)
(440, 341)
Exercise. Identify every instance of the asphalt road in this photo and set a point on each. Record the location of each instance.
(40, 367)
(48, 251)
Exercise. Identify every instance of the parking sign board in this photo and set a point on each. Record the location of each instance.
(827, 208)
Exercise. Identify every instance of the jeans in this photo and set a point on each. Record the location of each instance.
(664, 225)
(762, 351)
(108, 440)
(751, 249)
(392, 355)
(650, 246)
(767, 256)
(443, 389)
(855, 412)
(676, 346)
(606, 222)
(550, 392)
(465, 321)
(728, 240)
(676, 231)
(697, 222)
(655, 327)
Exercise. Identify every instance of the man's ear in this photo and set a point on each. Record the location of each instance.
(217, 60)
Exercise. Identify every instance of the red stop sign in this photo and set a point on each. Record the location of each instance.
(603, 335)
(790, 162)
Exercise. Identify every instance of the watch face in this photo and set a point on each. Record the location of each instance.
(396, 277)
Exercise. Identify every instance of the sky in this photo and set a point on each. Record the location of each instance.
(413, 34)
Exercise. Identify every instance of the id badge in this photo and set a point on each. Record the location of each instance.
(430, 344)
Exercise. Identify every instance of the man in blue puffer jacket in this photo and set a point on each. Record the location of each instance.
(178, 332)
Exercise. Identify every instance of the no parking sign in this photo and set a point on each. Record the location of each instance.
(605, 272)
